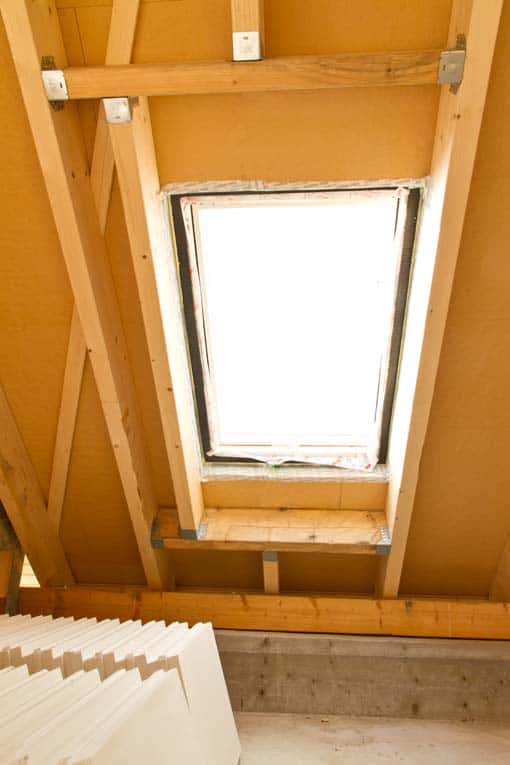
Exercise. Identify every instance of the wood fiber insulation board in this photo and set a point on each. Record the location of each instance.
(53, 656)
(153, 658)
(35, 660)
(22, 694)
(12, 639)
(10, 677)
(197, 659)
(114, 658)
(14, 730)
(85, 656)
(28, 650)
(153, 725)
(40, 746)
(105, 653)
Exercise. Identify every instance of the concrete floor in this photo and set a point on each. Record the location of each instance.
(285, 739)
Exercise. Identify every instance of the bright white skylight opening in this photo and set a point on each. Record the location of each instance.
(294, 299)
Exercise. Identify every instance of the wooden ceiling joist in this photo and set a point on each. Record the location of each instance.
(23, 500)
(120, 43)
(286, 73)
(135, 160)
(439, 237)
(59, 145)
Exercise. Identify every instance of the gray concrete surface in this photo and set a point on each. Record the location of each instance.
(318, 740)
(363, 676)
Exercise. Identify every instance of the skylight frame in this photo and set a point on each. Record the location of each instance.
(185, 226)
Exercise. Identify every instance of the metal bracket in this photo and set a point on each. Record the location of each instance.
(54, 83)
(270, 555)
(194, 533)
(117, 110)
(384, 545)
(451, 65)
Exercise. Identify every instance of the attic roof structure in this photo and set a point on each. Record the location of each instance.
(114, 114)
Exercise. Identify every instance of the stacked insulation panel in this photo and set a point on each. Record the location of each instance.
(83, 691)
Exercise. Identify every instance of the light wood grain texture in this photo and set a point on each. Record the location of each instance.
(457, 131)
(120, 41)
(135, 159)
(247, 15)
(59, 145)
(271, 572)
(24, 504)
(293, 73)
(297, 529)
(71, 389)
(418, 617)
(120, 45)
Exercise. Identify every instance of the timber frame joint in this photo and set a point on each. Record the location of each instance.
(451, 65)
(54, 82)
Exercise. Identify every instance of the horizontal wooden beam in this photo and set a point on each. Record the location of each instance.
(349, 70)
(415, 617)
(297, 530)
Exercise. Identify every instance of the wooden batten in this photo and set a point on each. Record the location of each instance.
(59, 144)
(247, 19)
(355, 70)
(135, 159)
(440, 230)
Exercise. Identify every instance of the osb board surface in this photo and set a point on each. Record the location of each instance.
(327, 573)
(461, 519)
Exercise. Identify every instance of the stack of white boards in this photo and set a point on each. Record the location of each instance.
(106, 692)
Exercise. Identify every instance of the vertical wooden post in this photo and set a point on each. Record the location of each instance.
(271, 570)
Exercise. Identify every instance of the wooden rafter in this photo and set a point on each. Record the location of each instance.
(120, 43)
(22, 498)
(303, 612)
(286, 73)
(457, 131)
(135, 160)
(59, 144)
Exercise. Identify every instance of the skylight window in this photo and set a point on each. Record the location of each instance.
(290, 303)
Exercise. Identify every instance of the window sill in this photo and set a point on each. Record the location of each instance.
(263, 472)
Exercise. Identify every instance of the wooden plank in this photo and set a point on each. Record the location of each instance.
(118, 51)
(147, 226)
(59, 145)
(248, 16)
(293, 73)
(120, 41)
(413, 617)
(457, 131)
(24, 504)
(71, 389)
(298, 530)
(271, 572)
